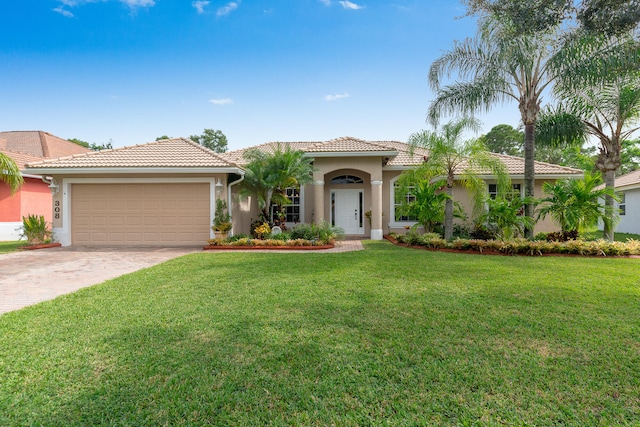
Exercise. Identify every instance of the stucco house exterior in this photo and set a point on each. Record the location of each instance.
(628, 190)
(34, 197)
(164, 192)
(354, 180)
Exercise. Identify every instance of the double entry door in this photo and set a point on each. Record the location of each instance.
(347, 210)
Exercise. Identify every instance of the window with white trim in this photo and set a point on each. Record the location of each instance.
(399, 200)
(622, 204)
(516, 190)
(291, 211)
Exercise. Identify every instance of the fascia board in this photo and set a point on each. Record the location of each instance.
(95, 171)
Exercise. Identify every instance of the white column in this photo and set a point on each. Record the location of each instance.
(318, 201)
(376, 210)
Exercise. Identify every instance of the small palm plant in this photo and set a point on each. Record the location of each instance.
(575, 204)
(36, 230)
(506, 214)
(222, 221)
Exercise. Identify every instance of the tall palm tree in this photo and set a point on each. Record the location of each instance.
(496, 67)
(10, 173)
(609, 112)
(268, 175)
(458, 160)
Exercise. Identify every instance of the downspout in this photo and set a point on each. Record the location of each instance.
(229, 204)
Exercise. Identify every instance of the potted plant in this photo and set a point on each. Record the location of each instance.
(222, 221)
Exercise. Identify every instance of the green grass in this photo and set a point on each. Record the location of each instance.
(386, 336)
(618, 237)
(6, 247)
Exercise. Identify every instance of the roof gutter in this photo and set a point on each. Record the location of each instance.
(229, 190)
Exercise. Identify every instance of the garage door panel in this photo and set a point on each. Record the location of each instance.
(144, 214)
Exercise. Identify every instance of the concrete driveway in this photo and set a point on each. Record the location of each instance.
(30, 277)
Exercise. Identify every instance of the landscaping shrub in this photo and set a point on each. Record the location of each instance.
(483, 233)
(36, 230)
(562, 236)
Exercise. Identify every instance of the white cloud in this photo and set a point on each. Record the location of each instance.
(63, 12)
(348, 5)
(221, 101)
(337, 96)
(200, 5)
(228, 8)
(134, 4)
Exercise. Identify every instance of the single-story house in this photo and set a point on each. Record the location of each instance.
(34, 197)
(628, 190)
(164, 192)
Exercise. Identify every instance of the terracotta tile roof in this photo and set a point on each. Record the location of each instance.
(39, 144)
(166, 153)
(628, 180)
(346, 144)
(403, 158)
(237, 156)
(21, 159)
(515, 166)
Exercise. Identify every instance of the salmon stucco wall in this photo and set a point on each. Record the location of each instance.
(9, 204)
(36, 199)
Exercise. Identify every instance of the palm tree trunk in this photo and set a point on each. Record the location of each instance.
(448, 214)
(529, 173)
(610, 183)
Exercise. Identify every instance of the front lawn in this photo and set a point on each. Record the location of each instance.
(618, 237)
(386, 336)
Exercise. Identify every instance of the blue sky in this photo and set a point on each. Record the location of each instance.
(295, 70)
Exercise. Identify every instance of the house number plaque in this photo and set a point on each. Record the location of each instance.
(56, 209)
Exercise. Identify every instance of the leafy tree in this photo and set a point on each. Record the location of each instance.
(10, 173)
(575, 156)
(574, 204)
(160, 138)
(214, 140)
(533, 16)
(92, 146)
(453, 158)
(268, 175)
(629, 157)
(504, 139)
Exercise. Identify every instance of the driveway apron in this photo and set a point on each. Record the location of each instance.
(30, 277)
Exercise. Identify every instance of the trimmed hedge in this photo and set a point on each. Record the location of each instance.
(524, 246)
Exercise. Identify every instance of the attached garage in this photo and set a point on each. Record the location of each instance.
(161, 193)
(140, 214)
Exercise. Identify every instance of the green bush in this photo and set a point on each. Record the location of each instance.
(36, 230)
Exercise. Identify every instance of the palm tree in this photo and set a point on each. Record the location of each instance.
(10, 173)
(496, 67)
(421, 197)
(607, 112)
(505, 213)
(268, 175)
(574, 204)
(458, 160)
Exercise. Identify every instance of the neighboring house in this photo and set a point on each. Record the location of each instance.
(163, 192)
(34, 197)
(354, 185)
(628, 190)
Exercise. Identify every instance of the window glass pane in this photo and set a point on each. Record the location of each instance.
(347, 179)
(398, 201)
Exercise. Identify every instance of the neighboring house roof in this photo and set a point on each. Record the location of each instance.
(398, 155)
(20, 159)
(39, 144)
(167, 153)
(628, 181)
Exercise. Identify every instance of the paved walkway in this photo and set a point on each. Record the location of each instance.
(30, 277)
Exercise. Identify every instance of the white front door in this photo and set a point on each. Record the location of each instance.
(346, 210)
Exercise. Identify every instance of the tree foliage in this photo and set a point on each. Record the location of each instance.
(504, 139)
(92, 146)
(606, 17)
(505, 214)
(214, 140)
(268, 175)
(574, 204)
(10, 173)
(458, 160)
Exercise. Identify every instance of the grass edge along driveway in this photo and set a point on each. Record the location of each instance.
(389, 336)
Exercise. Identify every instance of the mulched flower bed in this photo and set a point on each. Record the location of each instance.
(41, 246)
(267, 248)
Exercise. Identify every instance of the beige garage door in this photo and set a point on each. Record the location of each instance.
(140, 214)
